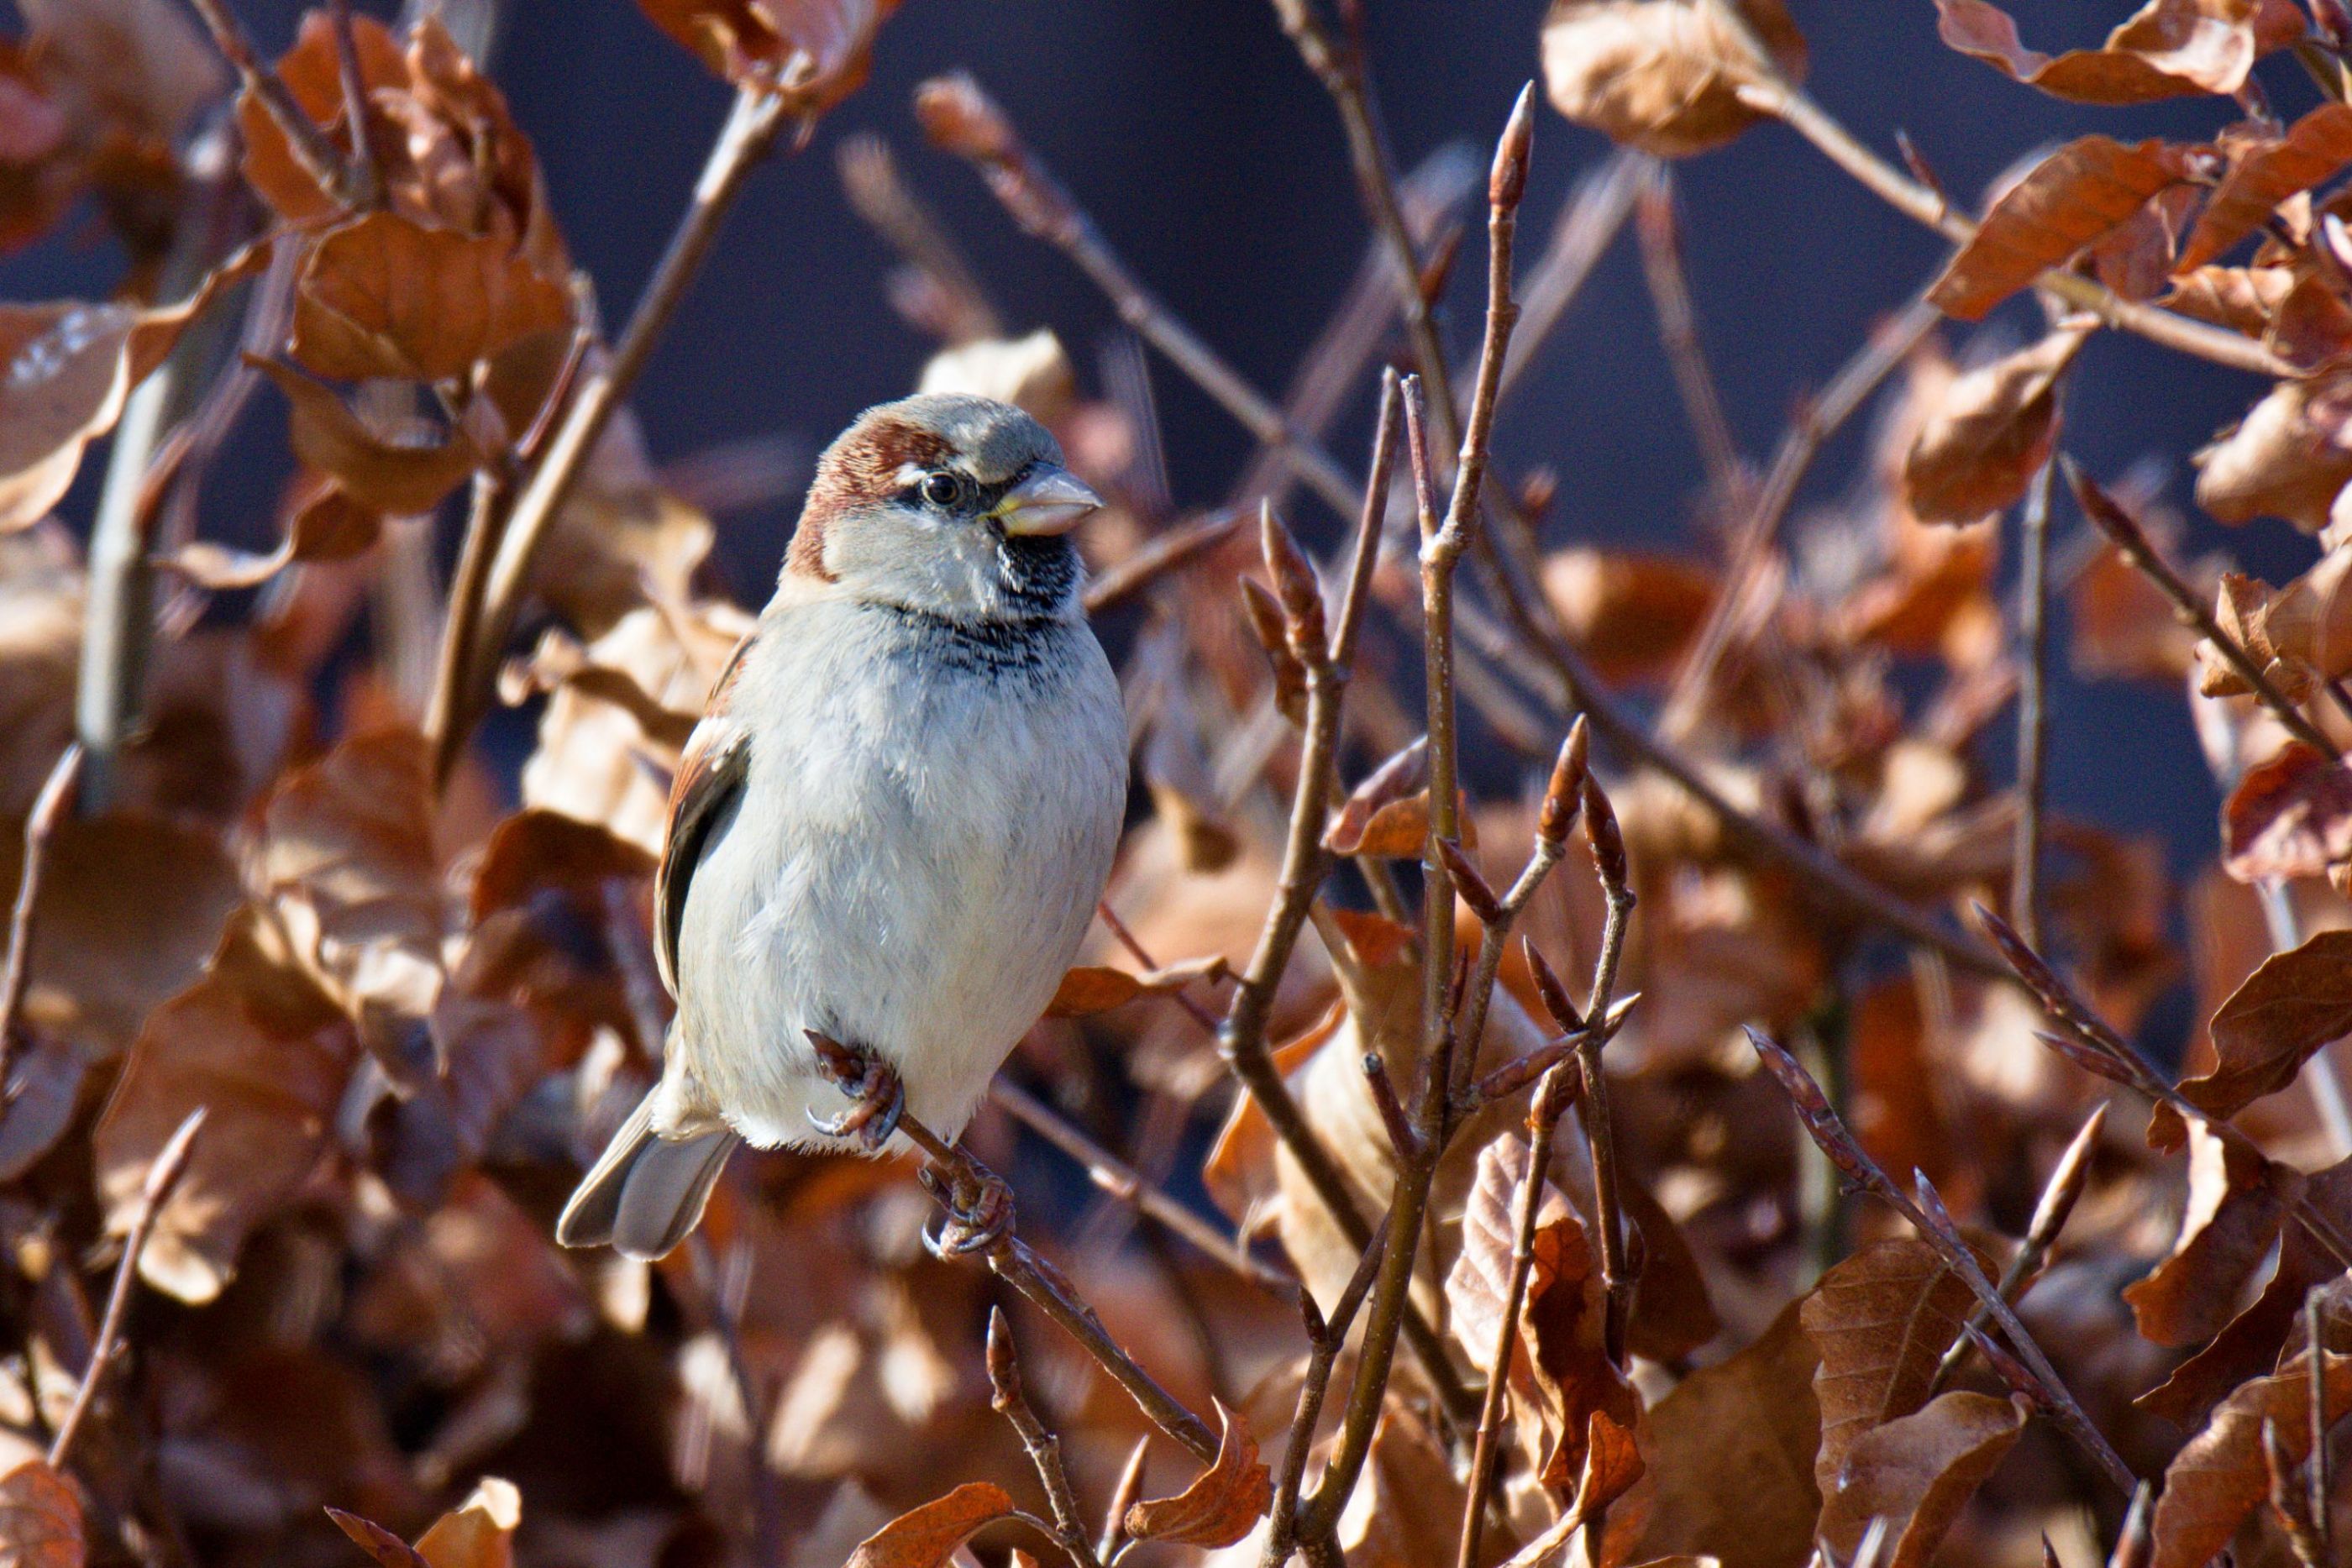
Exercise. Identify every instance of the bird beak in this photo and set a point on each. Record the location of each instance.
(1050, 501)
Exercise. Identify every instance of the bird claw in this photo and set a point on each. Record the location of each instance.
(872, 1083)
(979, 1216)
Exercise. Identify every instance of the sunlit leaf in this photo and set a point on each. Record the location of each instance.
(2069, 198)
(1661, 75)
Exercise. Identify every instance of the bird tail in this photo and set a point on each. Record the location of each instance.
(645, 1195)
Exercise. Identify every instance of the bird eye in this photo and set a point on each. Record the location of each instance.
(942, 489)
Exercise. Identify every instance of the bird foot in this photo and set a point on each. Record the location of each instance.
(979, 1204)
(873, 1084)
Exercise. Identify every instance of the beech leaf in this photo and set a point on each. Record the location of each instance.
(2287, 1011)
(1918, 1471)
(2167, 49)
(1993, 428)
(1661, 74)
(400, 480)
(40, 1518)
(2066, 201)
(2290, 815)
(2262, 174)
(1880, 1322)
(928, 1536)
(2219, 1478)
(384, 296)
(816, 51)
(1224, 1501)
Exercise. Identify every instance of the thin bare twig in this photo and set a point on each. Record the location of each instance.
(1123, 1494)
(869, 175)
(1044, 1450)
(1124, 1181)
(162, 1175)
(2032, 714)
(2286, 1507)
(366, 174)
(1172, 551)
(319, 156)
(2109, 517)
(1658, 226)
(1443, 547)
(2058, 1198)
(1609, 1215)
(961, 118)
(2319, 1485)
(49, 807)
(1817, 418)
(1325, 1338)
(1925, 1213)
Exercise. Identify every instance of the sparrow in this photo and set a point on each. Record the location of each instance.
(892, 824)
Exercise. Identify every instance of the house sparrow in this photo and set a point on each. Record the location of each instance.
(893, 824)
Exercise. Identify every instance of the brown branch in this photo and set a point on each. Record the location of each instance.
(1123, 1493)
(1558, 1092)
(2319, 1484)
(2033, 710)
(49, 808)
(750, 130)
(1443, 547)
(1935, 1227)
(959, 116)
(1172, 551)
(1817, 418)
(309, 146)
(1044, 1450)
(2302, 1538)
(1125, 1183)
(1600, 1130)
(162, 1175)
(1784, 101)
(2050, 1214)
(869, 176)
(1658, 226)
(366, 173)
(958, 1174)
(2131, 540)
(1325, 1338)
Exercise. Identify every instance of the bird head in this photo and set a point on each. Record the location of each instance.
(948, 503)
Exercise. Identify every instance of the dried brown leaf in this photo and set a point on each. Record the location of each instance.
(1661, 75)
(2281, 460)
(477, 1533)
(1224, 1501)
(816, 51)
(1732, 1449)
(1916, 1472)
(926, 1537)
(2290, 815)
(2287, 1011)
(2242, 299)
(2219, 1478)
(66, 372)
(386, 297)
(2167, 49)
(397, 477)
(1879, 1322)
(2262, 174)
(1476, 1285)
(1401, 774)
(1994, 429)
(2066, 201)
(1633, 613)
(268, 1053)
(40, 1518)
(2237, 1201)
(1091, 989)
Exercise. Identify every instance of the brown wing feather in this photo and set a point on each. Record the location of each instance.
(709, 773)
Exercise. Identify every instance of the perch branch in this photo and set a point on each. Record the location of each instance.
(49, 807)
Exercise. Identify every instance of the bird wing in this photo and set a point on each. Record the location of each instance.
(709, 777)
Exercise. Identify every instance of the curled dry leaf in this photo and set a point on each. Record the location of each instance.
(478, 1532)
(2237, 1201)
(346, 854)
(2169, 48)
(2282, 460)
(1400, 777)
(1879, 1322)
(1661, 74)
(815, 52)
(267, 1053)
(1224, 1503)
(2290, 815)
(1632, 613)
(1406, 1511)
(2263, 172)
(386, 475)
(1476, 1285)
(325, 524)
(386, 297)
(1994, 429)
(1917, 1473)
(40, 1518)
(2215, 1482)
(66, 370)
(929, 1536)
(1092, 988)
(2242, 299)
(389, 1551)
(2287, 1011)
(2066, 201)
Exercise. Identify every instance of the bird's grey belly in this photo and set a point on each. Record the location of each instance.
(934, 882)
